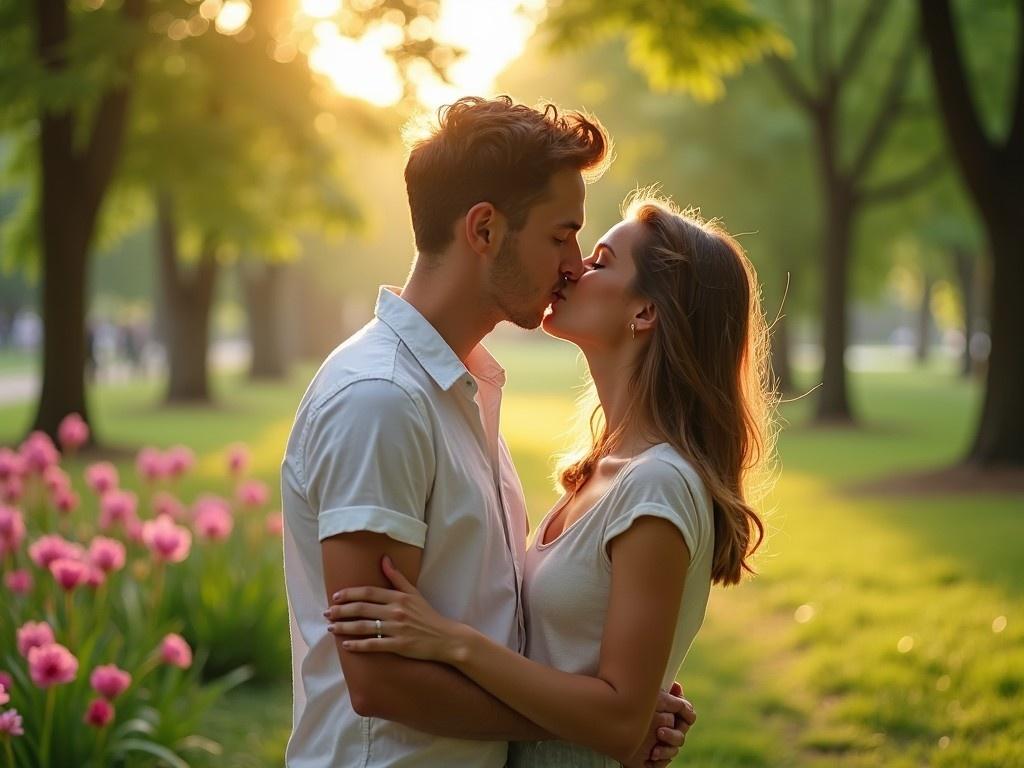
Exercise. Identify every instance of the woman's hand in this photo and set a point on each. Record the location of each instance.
(395, 620)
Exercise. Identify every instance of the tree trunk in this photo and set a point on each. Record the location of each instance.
(999, 439)
(315, 321)
(188, 299)
(833, 404)
(993, 173)
(924, 318)
(262, 285)
(73, 182)
(963, 265)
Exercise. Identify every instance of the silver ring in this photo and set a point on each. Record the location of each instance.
(379, 627)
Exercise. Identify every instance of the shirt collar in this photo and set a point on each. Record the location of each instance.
(429, 348)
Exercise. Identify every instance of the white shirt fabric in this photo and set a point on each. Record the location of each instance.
(567, 584)
(395, 435)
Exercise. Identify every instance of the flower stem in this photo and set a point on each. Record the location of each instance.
(9, 751)
(44, 748)
(69, 613)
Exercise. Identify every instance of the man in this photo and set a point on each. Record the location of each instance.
(396, 451)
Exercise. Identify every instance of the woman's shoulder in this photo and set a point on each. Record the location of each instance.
(661, 482)
(662, 464)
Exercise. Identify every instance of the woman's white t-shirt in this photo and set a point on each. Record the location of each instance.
(567, 582)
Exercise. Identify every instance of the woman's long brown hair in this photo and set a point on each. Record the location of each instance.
(703, 385)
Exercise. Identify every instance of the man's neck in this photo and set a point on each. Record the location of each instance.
(448, 297)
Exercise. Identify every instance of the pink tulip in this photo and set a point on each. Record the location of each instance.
(19, 582)
(168, 542)
(33, 634)
(99, 714)
(109, 681)
(51, 664)
(275, 523)
(65, 500)
(174, 650)
(10, 723)
(12, 490)
(73, 432)
(6, 681)
(39, 452)
(55, 478)
(253, 493)
(165, 503)
(117, 506)
(238, 459)
(12, 530)
(101, 477)
(213, 519)
(4, 697)
(69, 573)
(151, 465)
(11, 464)
(46, 549)
(107, 554)
(179, 460)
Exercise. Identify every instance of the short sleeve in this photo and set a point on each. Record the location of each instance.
(369, 463)
(658, 488)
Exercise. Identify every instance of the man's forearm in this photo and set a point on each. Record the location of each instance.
(440, 700)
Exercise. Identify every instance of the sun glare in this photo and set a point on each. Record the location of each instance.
(491, 34)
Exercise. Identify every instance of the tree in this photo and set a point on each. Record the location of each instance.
(992, 169)
(846, 177)
(68, 73)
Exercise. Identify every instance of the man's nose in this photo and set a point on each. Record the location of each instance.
(572, 263)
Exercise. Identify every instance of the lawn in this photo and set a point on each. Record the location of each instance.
(881, 631)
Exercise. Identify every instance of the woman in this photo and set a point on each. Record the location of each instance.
(657, 505)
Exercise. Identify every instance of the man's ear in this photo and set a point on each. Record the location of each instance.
(485, 227)
(646, 317)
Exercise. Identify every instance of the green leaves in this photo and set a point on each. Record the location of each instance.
(690, 46)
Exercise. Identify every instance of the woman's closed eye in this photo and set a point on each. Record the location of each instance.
(595, 265)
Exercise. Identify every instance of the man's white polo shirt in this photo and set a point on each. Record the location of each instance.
(395, 435)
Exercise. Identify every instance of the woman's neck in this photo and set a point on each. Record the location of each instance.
(611, 372)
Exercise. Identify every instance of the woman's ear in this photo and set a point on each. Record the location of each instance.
(646, 317)
(485, 226)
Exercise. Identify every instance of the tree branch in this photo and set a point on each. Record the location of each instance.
(787, 78)
(821, 30)
(100, 156)
(869, 21)
(888, 111)
(974, 152)
(903, 185)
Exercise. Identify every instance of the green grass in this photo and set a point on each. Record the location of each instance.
(894, 661)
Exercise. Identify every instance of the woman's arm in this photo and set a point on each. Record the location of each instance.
(609, 712)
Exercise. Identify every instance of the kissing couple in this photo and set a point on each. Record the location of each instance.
(426, 630)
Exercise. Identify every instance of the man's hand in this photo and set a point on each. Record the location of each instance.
(673, 717)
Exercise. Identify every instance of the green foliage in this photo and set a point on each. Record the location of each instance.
(690, 46)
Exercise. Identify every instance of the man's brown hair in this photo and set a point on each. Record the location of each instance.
(495, 151)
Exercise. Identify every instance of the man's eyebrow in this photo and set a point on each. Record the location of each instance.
(575, 226)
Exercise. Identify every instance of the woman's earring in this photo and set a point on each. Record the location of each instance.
(632, 329)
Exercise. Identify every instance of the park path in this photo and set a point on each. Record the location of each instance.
(19, 385)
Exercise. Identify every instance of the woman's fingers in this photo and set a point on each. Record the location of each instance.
(357, 628)
(358, 611)
(372, 645)
(671, 737)
(366, 595)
